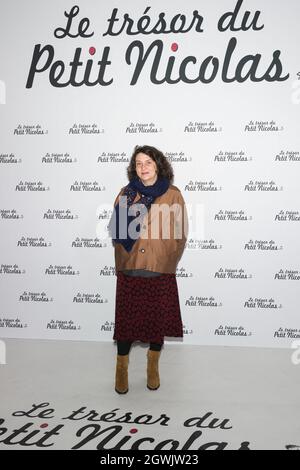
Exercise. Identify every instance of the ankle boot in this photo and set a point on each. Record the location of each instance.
(121, 385)
(153, 381)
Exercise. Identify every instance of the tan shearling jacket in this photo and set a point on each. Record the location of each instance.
(163, 235)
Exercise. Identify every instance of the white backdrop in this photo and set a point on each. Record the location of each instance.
(67, 134)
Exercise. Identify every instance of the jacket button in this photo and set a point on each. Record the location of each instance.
(142, 250)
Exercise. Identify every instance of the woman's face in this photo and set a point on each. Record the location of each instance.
(146, 169)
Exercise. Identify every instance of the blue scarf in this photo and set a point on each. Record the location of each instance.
(119, 226)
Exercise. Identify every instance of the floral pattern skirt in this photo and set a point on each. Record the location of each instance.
(147, 308)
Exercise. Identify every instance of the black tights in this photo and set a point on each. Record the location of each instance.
(124, 347)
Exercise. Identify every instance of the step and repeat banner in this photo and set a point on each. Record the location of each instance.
(215, 86)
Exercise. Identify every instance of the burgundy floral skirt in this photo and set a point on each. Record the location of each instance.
(147, 308)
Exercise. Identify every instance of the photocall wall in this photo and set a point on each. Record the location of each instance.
(215, 86)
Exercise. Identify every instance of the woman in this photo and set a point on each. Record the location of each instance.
(149, 231)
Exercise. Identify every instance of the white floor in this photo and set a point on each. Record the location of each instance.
(235, 395)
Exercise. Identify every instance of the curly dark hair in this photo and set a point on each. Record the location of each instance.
(164, 167)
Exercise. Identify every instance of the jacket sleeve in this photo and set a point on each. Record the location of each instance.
(181, 225)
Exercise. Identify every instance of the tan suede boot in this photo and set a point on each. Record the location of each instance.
(153, 381)
(121, 385)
